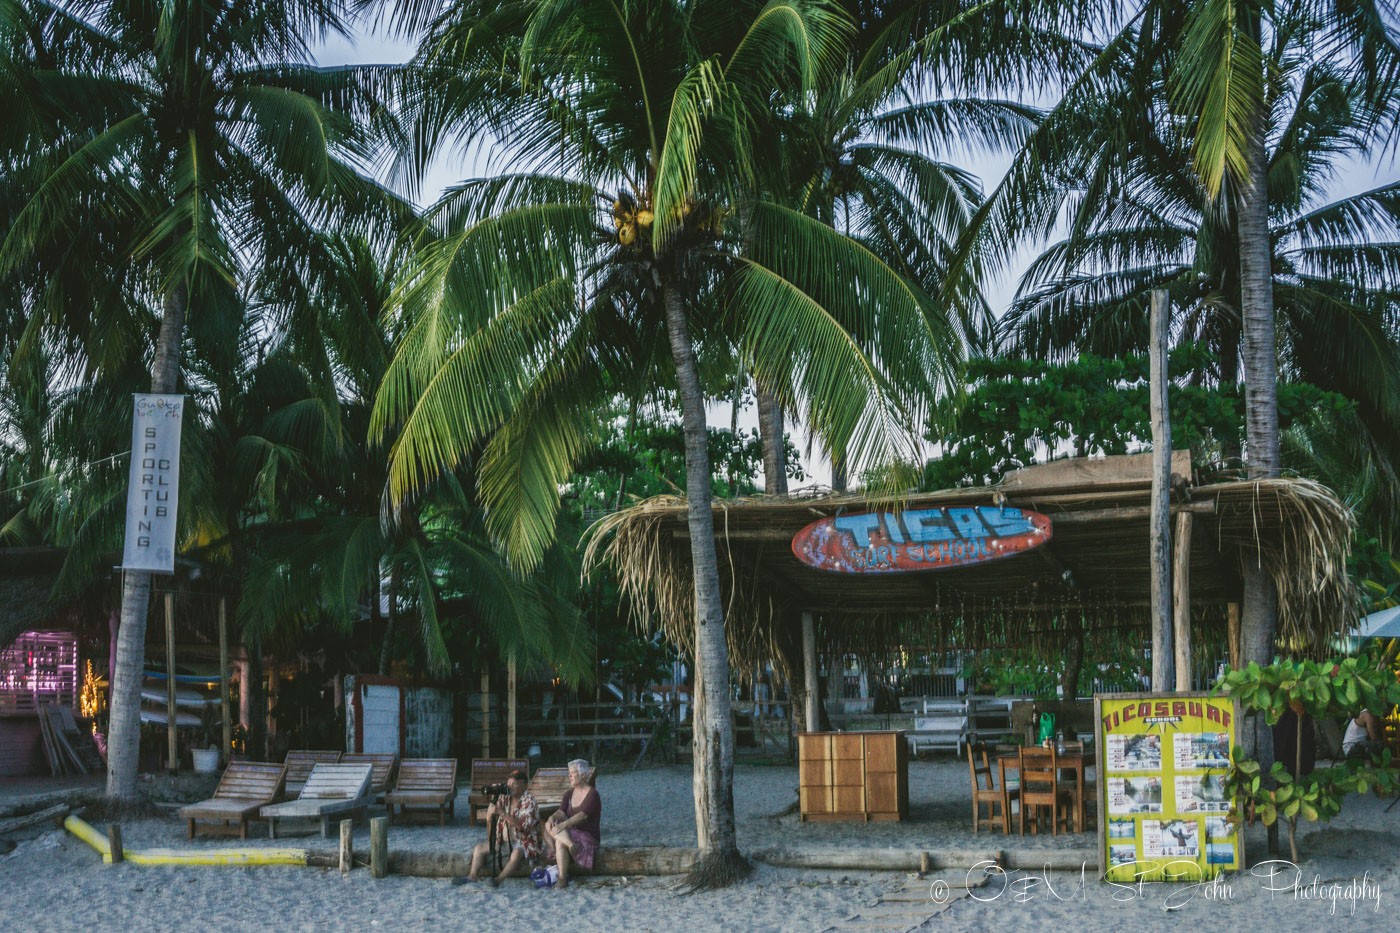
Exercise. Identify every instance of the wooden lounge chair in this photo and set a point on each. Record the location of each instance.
(425, 783)
(300, 763)
(381, 764)
(245, 788)
(548, 786)
(489, 771)
(329, 789)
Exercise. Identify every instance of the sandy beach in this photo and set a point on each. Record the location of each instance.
(1349, 877)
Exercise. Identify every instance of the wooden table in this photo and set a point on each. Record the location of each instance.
(1078, 760)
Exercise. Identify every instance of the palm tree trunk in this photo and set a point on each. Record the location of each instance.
(839, 478)
(385, 651)
(1259, 620)
(124, 730)
(720, 862)
(770, 425)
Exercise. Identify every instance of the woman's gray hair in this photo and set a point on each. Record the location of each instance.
(582, 766)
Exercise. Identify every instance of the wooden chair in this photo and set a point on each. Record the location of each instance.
(425, 783)
(548, 787)
(489, 771)
(245, 788)
(381, 764)
(1041, 787)
(985, 790)
(330, 789)
(301, 761)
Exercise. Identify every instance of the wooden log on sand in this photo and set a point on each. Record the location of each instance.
(640, 860)
(51, 815)
(844, 859)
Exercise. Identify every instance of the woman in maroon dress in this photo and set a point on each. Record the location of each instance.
(572, 833)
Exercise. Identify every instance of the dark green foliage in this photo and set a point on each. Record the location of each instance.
(1017, 412)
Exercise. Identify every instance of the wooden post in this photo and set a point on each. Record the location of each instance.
(1159, 543)
(486, 713)
(114, 842)
(226, 750)
(172, 741)
(809, 670)
(1232, 629)
(347, 846)
(510, 708)
(1181, 600)
(379, 846)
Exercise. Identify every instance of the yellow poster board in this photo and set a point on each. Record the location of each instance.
(1163, 758)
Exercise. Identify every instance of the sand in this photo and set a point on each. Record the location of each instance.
(1349, 878)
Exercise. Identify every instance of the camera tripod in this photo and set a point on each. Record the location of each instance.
(500, 850)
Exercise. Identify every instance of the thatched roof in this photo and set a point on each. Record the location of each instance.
(1095, 571)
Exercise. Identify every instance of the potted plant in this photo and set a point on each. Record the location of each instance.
(206, 759)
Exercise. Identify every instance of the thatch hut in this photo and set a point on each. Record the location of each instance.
(1090, 580)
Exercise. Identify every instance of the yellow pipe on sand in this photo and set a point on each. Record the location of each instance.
(92, 837)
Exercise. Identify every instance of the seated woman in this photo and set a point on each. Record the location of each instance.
(573, 831)
(517, 823)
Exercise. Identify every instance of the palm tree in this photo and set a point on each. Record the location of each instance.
(865, 153)
(315, 541)
(1198, 72)
(614, 253)
(1155, 227)
(194, 134)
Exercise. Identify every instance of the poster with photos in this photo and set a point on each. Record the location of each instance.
(1200, 750)
(1161, 786)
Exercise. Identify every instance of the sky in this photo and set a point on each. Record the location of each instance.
(1353, 177)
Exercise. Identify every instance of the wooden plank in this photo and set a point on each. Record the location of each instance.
(172, 718)
(379, 847)
(485, 713)
(510, 710)
(56, 764)
(1181, 600)
(226, 749)
(1159, 535)
(1128, 471)
(1135, 513)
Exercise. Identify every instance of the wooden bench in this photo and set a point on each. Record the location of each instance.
(425, 783)
(245, 788)
(988, 719)
(489, 771)
(301, 761)
(329, 789)
(548, 787)
(944, 724)
(381, 764)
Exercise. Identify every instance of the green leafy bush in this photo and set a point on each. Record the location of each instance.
(1321, 689)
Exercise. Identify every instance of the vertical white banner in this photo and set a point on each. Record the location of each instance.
(154, 485)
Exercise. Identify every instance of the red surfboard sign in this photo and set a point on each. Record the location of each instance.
(919, 539)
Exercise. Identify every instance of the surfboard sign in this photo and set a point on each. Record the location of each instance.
(919, 539)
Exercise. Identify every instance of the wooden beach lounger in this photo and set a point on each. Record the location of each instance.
(381, 768)
(548, 786)
(425, 783)
(330, 789)
(245, 788)
(489, 771)
(301, 761)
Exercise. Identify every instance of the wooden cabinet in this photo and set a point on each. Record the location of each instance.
(853, 775)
